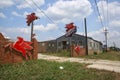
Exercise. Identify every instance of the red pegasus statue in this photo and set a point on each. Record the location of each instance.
(22, 46)
(30, 18)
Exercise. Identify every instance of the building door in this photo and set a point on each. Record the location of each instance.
(64, 43)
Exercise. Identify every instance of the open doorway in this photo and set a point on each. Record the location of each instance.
(64, 43)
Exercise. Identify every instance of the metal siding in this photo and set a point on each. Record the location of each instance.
(76, 38)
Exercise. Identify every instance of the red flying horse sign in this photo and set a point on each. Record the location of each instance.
(70, 29)
(30, 18)
(22, 46)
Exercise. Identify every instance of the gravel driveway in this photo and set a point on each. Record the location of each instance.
(93, 63)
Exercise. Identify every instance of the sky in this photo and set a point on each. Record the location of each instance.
(55, 14)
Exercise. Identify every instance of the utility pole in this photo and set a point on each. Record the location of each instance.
(105, 32)
(31, 31)
(114, 45)
(86, 41)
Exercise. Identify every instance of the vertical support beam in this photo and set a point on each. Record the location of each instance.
(86, 41)
(31, 31)
(114, 45)
(70, 41)
(105, 31)
(71, 47)
(31, 37)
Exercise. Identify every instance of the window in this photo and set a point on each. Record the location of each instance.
(80, 43)
(94, 44)
(90, 43)
(73, 42)
(43, 44)
(53, 45)
(59, 44)
(49, 45)
(67, 42)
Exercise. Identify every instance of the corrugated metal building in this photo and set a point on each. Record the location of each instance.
(64, 42)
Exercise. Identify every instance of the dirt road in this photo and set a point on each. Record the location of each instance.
(93, 63)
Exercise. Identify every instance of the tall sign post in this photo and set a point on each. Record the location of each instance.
(31, 30)
(70, 30)
(30, 19)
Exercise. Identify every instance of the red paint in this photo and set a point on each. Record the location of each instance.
(77, 49)
(69, 26)
(70, 29)
(22, 46)
(30, 18)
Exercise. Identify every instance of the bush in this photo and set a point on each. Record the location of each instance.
(95, 53)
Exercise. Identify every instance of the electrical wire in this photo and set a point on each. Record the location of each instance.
(99, 13)
(46, 15)
(107, 14)
(43, 12)
(30, 5)
(102, 11)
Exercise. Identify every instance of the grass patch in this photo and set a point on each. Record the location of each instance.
(108, 56)
(63, 53)
(48, 70)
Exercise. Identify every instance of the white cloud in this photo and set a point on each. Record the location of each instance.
(100, 18)
(6, 3)
(2, 15)
(25, 14)
(27, 30)
(67, 11)
(47, 28)
(13, 32)
(18, 30)
(113, 9)
(39, 13)
(113, 36)
(24, 31)
(30, 3)
(80, 33)
(16, 14)
(98, 35)
(115, 23)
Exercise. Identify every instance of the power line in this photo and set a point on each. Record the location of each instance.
(98, 13)
(105, 30)
(29, 5)
(43, 12)
(107, 14)
(102, 10)
(106, 25)
(39, 9)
